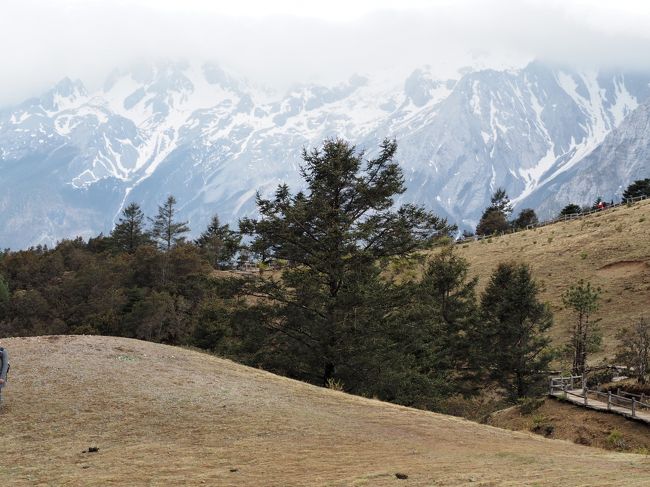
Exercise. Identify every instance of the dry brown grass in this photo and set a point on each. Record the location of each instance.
(611, 249)
(579, 425)
(167, 416)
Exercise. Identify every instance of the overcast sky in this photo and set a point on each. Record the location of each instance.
(285, 41)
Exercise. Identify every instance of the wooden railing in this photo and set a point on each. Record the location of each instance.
(575, 386)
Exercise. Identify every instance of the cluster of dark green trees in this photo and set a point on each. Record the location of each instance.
(140, 281)
(218, 243)
(335, 316)
(495, 218)
(332, 314)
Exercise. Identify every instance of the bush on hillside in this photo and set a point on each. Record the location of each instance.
(571, 209)
(526, 217)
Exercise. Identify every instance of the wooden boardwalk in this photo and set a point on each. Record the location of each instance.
(564, 388)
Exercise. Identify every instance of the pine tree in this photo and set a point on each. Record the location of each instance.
(634, 348)
(640, 187)
(501, 202)
(449, 312)
(165, 229)
(331, 304)
(495, 217)
(514, 324)
(582, 298)
(219, 243)
(526, 217)
(129, 232)
(571, 209)
(492, 222)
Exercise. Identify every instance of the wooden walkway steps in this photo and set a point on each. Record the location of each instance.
(565, 388)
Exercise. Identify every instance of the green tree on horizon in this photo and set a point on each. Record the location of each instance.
(495, 217)
(571, 209)
(219, 243)
(526, 217)
(129, 232)
(640, 187)
(165, 229)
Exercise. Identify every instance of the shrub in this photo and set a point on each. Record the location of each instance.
(600, 377)
(542, 426)
(529, 404)
(335, 384)
(583, 437)
(615, 440)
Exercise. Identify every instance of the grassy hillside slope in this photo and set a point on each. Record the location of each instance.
(559, 419)
(611, 249)
(168, 416)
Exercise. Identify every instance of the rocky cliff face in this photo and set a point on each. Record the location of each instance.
(70, 159)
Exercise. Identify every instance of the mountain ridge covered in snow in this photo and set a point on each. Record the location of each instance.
(71, 159)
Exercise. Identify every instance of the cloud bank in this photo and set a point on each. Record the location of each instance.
(283, 42)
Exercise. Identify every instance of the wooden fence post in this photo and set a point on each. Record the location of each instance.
(609, 400)
(633, 407)
(584, 391)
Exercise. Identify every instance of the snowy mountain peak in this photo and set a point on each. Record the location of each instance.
(213, 139)
(421, 87)
(64, 95)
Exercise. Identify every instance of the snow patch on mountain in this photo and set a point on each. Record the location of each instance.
(214, 140)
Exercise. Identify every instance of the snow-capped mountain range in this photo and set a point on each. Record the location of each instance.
(71, 159)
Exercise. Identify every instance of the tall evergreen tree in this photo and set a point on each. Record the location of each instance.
(446, 301)
(495, 217)
(582, 299)
(331, 304)
(501, 202)
(514, 341)
(165, 229)
(129, 232)
(219, 243)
